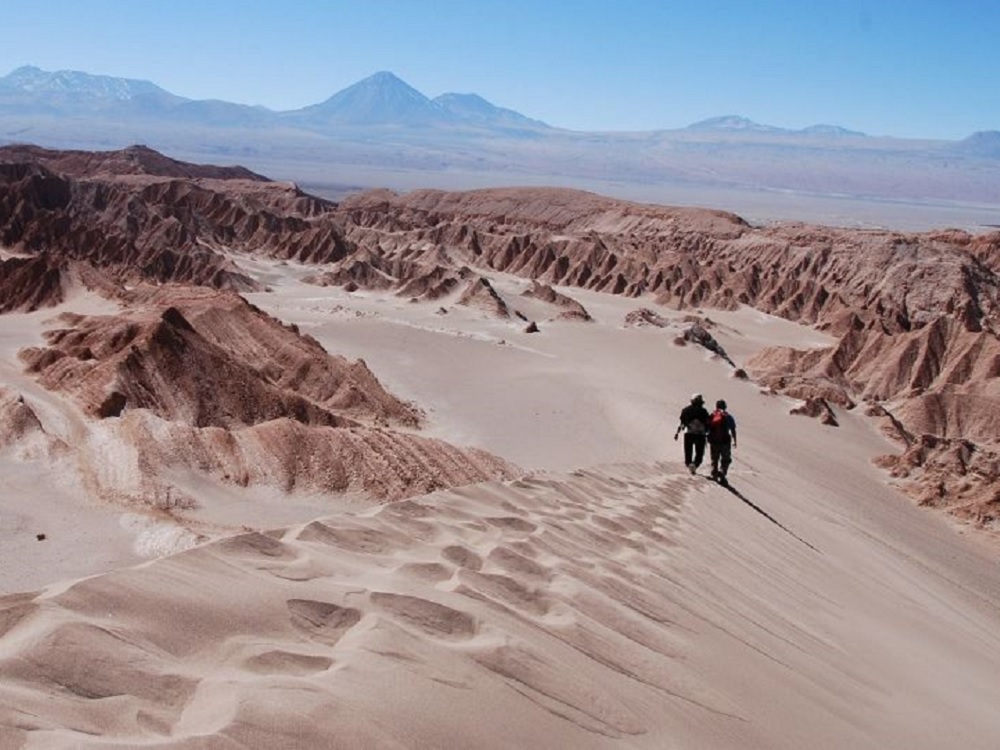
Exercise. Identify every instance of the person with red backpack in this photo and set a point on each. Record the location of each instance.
(721, 440)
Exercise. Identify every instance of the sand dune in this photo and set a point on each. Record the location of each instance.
(630, 606)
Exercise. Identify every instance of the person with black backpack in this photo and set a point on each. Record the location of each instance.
(721, 441)
(694, 422)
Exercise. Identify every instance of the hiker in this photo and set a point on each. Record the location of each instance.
(721, 440)
(694, 422)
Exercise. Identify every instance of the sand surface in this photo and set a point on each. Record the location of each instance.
(606, 599)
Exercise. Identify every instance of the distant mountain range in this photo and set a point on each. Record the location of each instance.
(736, 123)
(382, 131)
(75, 85)
(380, 99)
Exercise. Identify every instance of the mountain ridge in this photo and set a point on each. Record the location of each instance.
(380, 99)
(739, 123)
(32, 78)
(354, 104)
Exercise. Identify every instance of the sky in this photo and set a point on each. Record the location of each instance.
(914, 69)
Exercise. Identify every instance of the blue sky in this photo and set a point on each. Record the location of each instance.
(912, 69)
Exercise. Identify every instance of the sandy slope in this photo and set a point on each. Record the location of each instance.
(573, 395)
(608, 599)
(629, 607)
(40, 488)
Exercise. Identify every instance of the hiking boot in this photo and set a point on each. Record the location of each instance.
(692, 468)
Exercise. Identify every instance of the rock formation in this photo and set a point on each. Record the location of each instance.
(186, 378)
(817, 408)
(915, 316)
(698, 333)
(570, 308)
(645, 317)
(134, 160)
(207, 359)
(21, 430)
(27, 283)
(148, 219)
(480, 294)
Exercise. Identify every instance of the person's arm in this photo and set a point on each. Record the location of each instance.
(732, 428)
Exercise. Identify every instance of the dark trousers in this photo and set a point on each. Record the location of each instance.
(721, 452)
(694, 445)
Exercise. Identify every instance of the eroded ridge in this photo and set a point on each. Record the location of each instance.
(188, 379)
(915, 315)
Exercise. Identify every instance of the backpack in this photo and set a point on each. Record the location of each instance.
(717, 428)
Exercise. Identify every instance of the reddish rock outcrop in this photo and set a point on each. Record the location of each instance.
(645, 317)
(954, 475)
(205, 359)
(27, 283)
(698, 333)
(480, 294)
(282, 453)
(570, 308)
(134, 160)
(194, 380)
(916, 316)
(688, 257)
(145, 218)
(817, 408)
(692, 330)
(21, 430)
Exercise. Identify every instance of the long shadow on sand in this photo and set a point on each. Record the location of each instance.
(763, 512)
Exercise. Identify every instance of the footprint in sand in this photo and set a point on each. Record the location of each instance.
(426, 572)
(617, 534)
(407, 509)
(580, 700)
(288, 663)
(407, 517)
(511, 523)
(256, 545)
(363, 541)
(463, 557)
(434, 619)
(131, 671)
(322, 621)
(517, 564)
(504, 591)
(14, 608)
(609, 525)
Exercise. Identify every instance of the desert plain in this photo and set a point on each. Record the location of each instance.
(399, 472)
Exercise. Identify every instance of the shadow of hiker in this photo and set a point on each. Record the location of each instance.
(763, 512)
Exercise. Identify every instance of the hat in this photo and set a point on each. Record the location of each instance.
(697, 399)
(720, 404)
